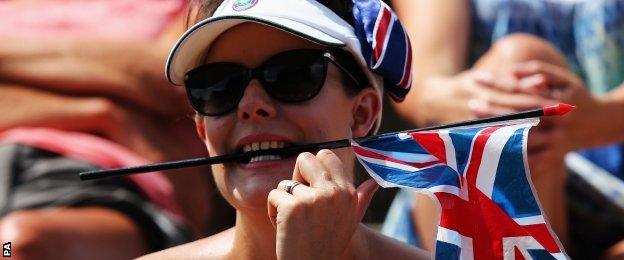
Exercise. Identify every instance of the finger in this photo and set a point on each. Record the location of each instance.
(310, 171)
(365, 193)
(519, 101)
(482, 108)
(297, 190)
(554, 75)
(535, 84)
(490, 111)
(498, 83)
(513, 101)
(277, 198)
(334, 165)
(516, 100)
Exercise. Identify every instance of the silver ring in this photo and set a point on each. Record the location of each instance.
(291, 186)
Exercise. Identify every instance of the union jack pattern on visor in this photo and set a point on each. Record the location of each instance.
(385, 45)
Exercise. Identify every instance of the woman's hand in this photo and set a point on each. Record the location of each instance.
(320, 217)
(551, 84)
(501, 93)
(472, 94)
(577, 129)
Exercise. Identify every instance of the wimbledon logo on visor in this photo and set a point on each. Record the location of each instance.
(242, 5)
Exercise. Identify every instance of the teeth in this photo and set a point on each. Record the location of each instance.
(265, 158)
(256, 146)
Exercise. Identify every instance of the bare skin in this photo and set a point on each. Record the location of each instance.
(321, 218)
(39, 233)
(519, 72)
(113, 89)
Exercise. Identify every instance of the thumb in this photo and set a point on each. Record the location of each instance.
(365, 193)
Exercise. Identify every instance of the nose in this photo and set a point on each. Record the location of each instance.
(256, 104)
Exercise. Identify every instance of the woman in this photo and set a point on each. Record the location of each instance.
(266, 74)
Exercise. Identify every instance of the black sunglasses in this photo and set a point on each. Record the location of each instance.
(215, 89)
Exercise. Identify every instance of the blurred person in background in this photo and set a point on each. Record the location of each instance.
(483, 58)
(82, 88)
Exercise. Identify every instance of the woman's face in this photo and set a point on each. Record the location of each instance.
(261, 121)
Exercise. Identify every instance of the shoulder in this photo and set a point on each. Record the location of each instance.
(217, 246)
(381, 246)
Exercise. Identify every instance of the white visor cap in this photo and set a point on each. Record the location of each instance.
(304, 18)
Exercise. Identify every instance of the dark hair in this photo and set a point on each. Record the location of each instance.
(202, 9)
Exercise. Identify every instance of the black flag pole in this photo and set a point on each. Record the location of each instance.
(554, 110)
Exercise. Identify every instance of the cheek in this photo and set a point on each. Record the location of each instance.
(327, 118)
(217, 132)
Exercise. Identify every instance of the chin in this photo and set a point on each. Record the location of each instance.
(248, 190)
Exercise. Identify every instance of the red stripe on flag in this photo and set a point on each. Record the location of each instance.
(477, 153)
(432, 142)
(517, 254)
(380, 33)
(407, 68)
(366, 153)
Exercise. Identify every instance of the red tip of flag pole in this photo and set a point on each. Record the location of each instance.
(558, 109)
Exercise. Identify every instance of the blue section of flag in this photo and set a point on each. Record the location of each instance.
(447, 251)
(540, 254)
(512, 190)
(393, 143)
(462, 141)
(430, 177)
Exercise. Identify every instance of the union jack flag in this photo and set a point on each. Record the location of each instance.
(479, 176)
(385, 45)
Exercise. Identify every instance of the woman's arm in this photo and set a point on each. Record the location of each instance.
(439, 32)
(120, 70)
(445, 89)
(130, 72)
(150, 137)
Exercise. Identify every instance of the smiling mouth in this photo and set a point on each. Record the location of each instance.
(267, 146)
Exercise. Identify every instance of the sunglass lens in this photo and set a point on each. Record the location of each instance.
(216, 89)
(295, 76)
